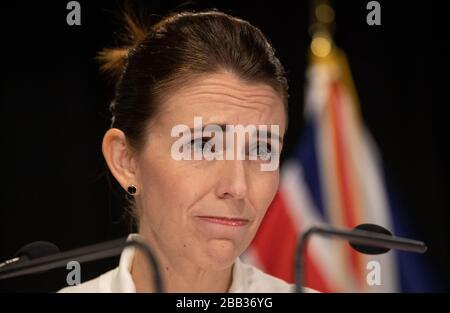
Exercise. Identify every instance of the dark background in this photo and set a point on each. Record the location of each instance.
(54, 114)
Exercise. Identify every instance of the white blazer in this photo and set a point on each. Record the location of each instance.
(246, 278)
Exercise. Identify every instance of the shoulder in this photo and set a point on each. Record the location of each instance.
(248, 278)
(116, 280)
(258, 281)
(100, 284)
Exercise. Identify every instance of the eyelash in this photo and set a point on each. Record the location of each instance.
(205, 140)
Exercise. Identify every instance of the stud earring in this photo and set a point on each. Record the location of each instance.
(131, 190)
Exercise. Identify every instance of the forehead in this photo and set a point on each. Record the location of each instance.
(223, 98)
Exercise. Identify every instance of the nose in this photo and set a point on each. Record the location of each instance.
(232, 183)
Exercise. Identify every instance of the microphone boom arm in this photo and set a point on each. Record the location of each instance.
(84, 254)
(355, 236)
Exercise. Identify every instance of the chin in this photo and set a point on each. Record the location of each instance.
(221, 254)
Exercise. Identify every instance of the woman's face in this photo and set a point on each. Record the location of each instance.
(206, 211)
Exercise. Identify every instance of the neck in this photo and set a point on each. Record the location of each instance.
(178, 274)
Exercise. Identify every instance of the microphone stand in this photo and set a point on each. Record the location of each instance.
(85, 254)
(355, 236)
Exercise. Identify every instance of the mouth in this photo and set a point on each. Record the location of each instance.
(226, 221)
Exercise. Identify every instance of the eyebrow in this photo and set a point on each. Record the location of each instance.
(223, 127)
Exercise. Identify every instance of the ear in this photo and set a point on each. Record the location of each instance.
(120, 159)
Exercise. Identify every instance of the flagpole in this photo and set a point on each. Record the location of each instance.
(321, 27)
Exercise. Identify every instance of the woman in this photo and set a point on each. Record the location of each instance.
(198, 215)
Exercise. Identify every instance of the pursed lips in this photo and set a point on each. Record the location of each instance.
(223, 220)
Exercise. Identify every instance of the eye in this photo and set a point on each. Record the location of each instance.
(200, 143)
(262, 150)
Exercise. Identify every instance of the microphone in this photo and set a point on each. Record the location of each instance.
(365, 238)
(32, 251)
(84, 254)
(371, 249)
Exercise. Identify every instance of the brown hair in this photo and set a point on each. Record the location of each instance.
(158, 59)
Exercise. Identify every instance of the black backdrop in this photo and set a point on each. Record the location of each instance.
(54, 113)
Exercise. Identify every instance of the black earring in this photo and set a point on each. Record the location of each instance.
(131, 190)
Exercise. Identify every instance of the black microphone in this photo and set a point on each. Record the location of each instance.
(32, 251)
(371, 250)
(365, 238)
(84, 254)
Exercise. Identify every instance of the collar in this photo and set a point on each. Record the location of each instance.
(122, 280)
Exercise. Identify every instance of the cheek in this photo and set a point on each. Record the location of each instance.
(167, 190)
(158, 195)
(265, 189)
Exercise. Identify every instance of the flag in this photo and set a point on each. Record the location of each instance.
(335, 177)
